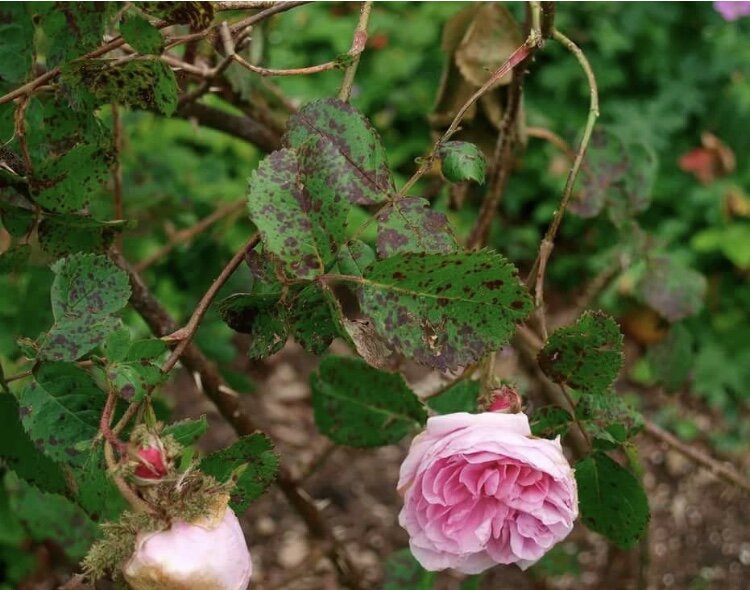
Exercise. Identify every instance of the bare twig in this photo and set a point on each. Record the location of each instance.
(721, 470)
(536, 274)
(187, 234)
(358, 45)
(324, 67)
(18, 376)
(185, 334)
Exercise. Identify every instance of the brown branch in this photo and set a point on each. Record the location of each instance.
(242, 127)
(185, 334)
(324, 67)
(162, 324)
(189, 233)
(721, 470)
(359, 40)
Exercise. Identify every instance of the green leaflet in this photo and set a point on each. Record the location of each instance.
(87, 289)
(300, 228)
(410, 225)
(586, 356)
(550, 422)
(251, 460)
(444, 310)
(17, 33)
(461, 397)
(611, 500)
(141, 35)
(355, 164)
(358, 405)
(462, 161)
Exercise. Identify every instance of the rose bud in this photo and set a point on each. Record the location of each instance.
(479, 490)
(505, 399)
(193, 556)
(151, 464)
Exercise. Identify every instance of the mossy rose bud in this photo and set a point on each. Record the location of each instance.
(151, 463)
(191, 556)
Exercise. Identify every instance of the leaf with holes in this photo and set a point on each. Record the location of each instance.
(355, 160)
(410, 225)
(252, 461)
(86, 290)
(403, 572)
(65, 184)
(462, 161)
(550, 422)
(141, 35)
(360, 406)
(611, 500)
(61, 235)
(586, 356)
(672, 288)
(300, 228)
(147, 84)
(196, 14)
(60, 411)
(261, 317)
(461, 397)
(444, 310)
(18, 453)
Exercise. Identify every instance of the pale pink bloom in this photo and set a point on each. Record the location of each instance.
(191, 557)
(732, 10)
(480, 490)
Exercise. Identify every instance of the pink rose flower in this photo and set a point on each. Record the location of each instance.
(191, 557)
(732, 10)
(480, 490)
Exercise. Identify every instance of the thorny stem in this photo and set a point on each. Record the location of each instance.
(358, 45)
(536, 274)
(185, 334)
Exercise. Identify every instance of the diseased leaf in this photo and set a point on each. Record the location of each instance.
(18, 453)
(97, 493)
(65, 184)
(252, 461)
(141, 35)
(16, 50)
(72, 29)
(671, 288)
(140, 370)
(61, 235)
(608, 419)
(196, 14)
(410, 225)
(403, 572)
(611, 500)
(586, 356)
(615, 174)
(444, 310)
(85, 291)
(355, 257)
(672, 358)
(355, 160)
(550, 422)
(311, 321)
(461, 397)
(462, 161)
(261, 317)
(147, 84)
(302, 229)
(51, 517)
(187, 432)
(360, 406)
(60, 411)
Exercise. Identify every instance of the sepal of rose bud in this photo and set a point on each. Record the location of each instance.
(191, 556)
(504, 399)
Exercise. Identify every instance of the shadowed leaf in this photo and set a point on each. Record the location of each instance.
(611, 500)
(261, 317)
(360, 406)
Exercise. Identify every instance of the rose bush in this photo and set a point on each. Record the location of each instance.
(479, 490)
(191, 556)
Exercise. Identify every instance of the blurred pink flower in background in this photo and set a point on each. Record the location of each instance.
(732, 10)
